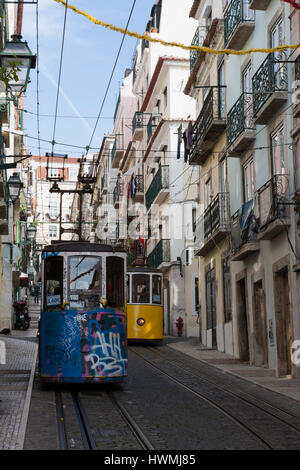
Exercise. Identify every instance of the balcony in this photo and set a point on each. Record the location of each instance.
(239, 22)
(198, 40)
(139, 188)
(270, 86)
(117, 150)
(161, 255)
(136, 254)
(240, 126)
(159, 187)
(244, 232)
(138, 125)
(213, 225)
(297, 80)
(209, 125)
(259, 4)
(104, 185)
(274, 213)
(152, 125)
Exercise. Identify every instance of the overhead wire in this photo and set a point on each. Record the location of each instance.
(111, 75)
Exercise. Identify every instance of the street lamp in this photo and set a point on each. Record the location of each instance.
(14, 187)
(31, 232)
(17, 54)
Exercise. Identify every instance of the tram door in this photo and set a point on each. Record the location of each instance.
(115, 281)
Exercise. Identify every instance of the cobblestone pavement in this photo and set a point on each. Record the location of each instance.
(14, 381)
(16, 375)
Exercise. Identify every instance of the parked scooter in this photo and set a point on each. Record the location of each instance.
(22, 317)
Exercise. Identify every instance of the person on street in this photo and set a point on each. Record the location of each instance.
(36, 293)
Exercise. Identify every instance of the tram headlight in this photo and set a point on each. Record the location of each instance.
(141, 321)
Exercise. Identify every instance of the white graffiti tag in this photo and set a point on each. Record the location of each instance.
(110, 358)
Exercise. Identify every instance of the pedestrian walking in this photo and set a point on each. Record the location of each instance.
(36, 293)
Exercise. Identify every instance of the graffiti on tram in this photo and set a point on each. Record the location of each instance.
(85, 344)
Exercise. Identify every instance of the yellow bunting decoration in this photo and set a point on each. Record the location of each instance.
(147, 37)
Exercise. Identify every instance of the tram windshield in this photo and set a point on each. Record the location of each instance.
(53, 282)
(141, 288)
(85, 281)
(156, 289)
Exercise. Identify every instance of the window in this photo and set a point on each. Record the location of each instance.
(53, 172)
(73, 172)
(248, 176)
(247, 91)
(221, 91)
(85, 281)
(52, 231)
(53, 212)
(140, 289)
(276, 39)
(53, 275)
(207, 193)
(277, 151)
(222, 176)
(156, 289)
(165, 93)
(227, 290)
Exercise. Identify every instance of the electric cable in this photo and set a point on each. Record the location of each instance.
(111, 76)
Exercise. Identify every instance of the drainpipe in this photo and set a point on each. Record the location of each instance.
(20, 17)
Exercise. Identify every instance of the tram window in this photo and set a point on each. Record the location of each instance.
(141, 288)
(156, 289)
(128, 288)
(115, 281)
(53, 282)
(85, 281)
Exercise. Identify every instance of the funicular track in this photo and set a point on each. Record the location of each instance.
(282, 417)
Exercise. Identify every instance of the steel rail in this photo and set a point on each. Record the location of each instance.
(236, 395)
(220, 408)
(134, 427)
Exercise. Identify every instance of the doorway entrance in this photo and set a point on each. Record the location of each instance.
(242, 320)
(260, 326)
(283, 321)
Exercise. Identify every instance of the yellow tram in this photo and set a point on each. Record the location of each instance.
(144, 304)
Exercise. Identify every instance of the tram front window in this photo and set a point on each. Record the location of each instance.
(85, 281)
(53, 272)
(156, 289)
(140, 289)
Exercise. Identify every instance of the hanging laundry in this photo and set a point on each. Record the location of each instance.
(188, 140)
(132, 186)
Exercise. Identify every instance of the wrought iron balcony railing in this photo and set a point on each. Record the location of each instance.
(198, 40)
(272, 199)
(244, 229)
(139, 120)
(139, 183)
(269, 78)
(212, 112)
(240, 118)
(216, 215)
(118, 145)
(160, 254)
(152, 124)
(237, 12)
(160, 182)
(213, 222)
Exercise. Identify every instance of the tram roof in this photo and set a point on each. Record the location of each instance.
(82, 246)
(142, 269)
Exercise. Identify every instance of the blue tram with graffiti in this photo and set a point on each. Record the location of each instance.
(83, 327)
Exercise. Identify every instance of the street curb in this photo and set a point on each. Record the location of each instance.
(24, 419)
(226, 371)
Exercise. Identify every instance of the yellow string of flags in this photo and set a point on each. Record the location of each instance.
(147, 37)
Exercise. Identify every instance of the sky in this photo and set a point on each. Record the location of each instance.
(89, 55)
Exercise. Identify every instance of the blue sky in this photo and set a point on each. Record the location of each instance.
(89, 55)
